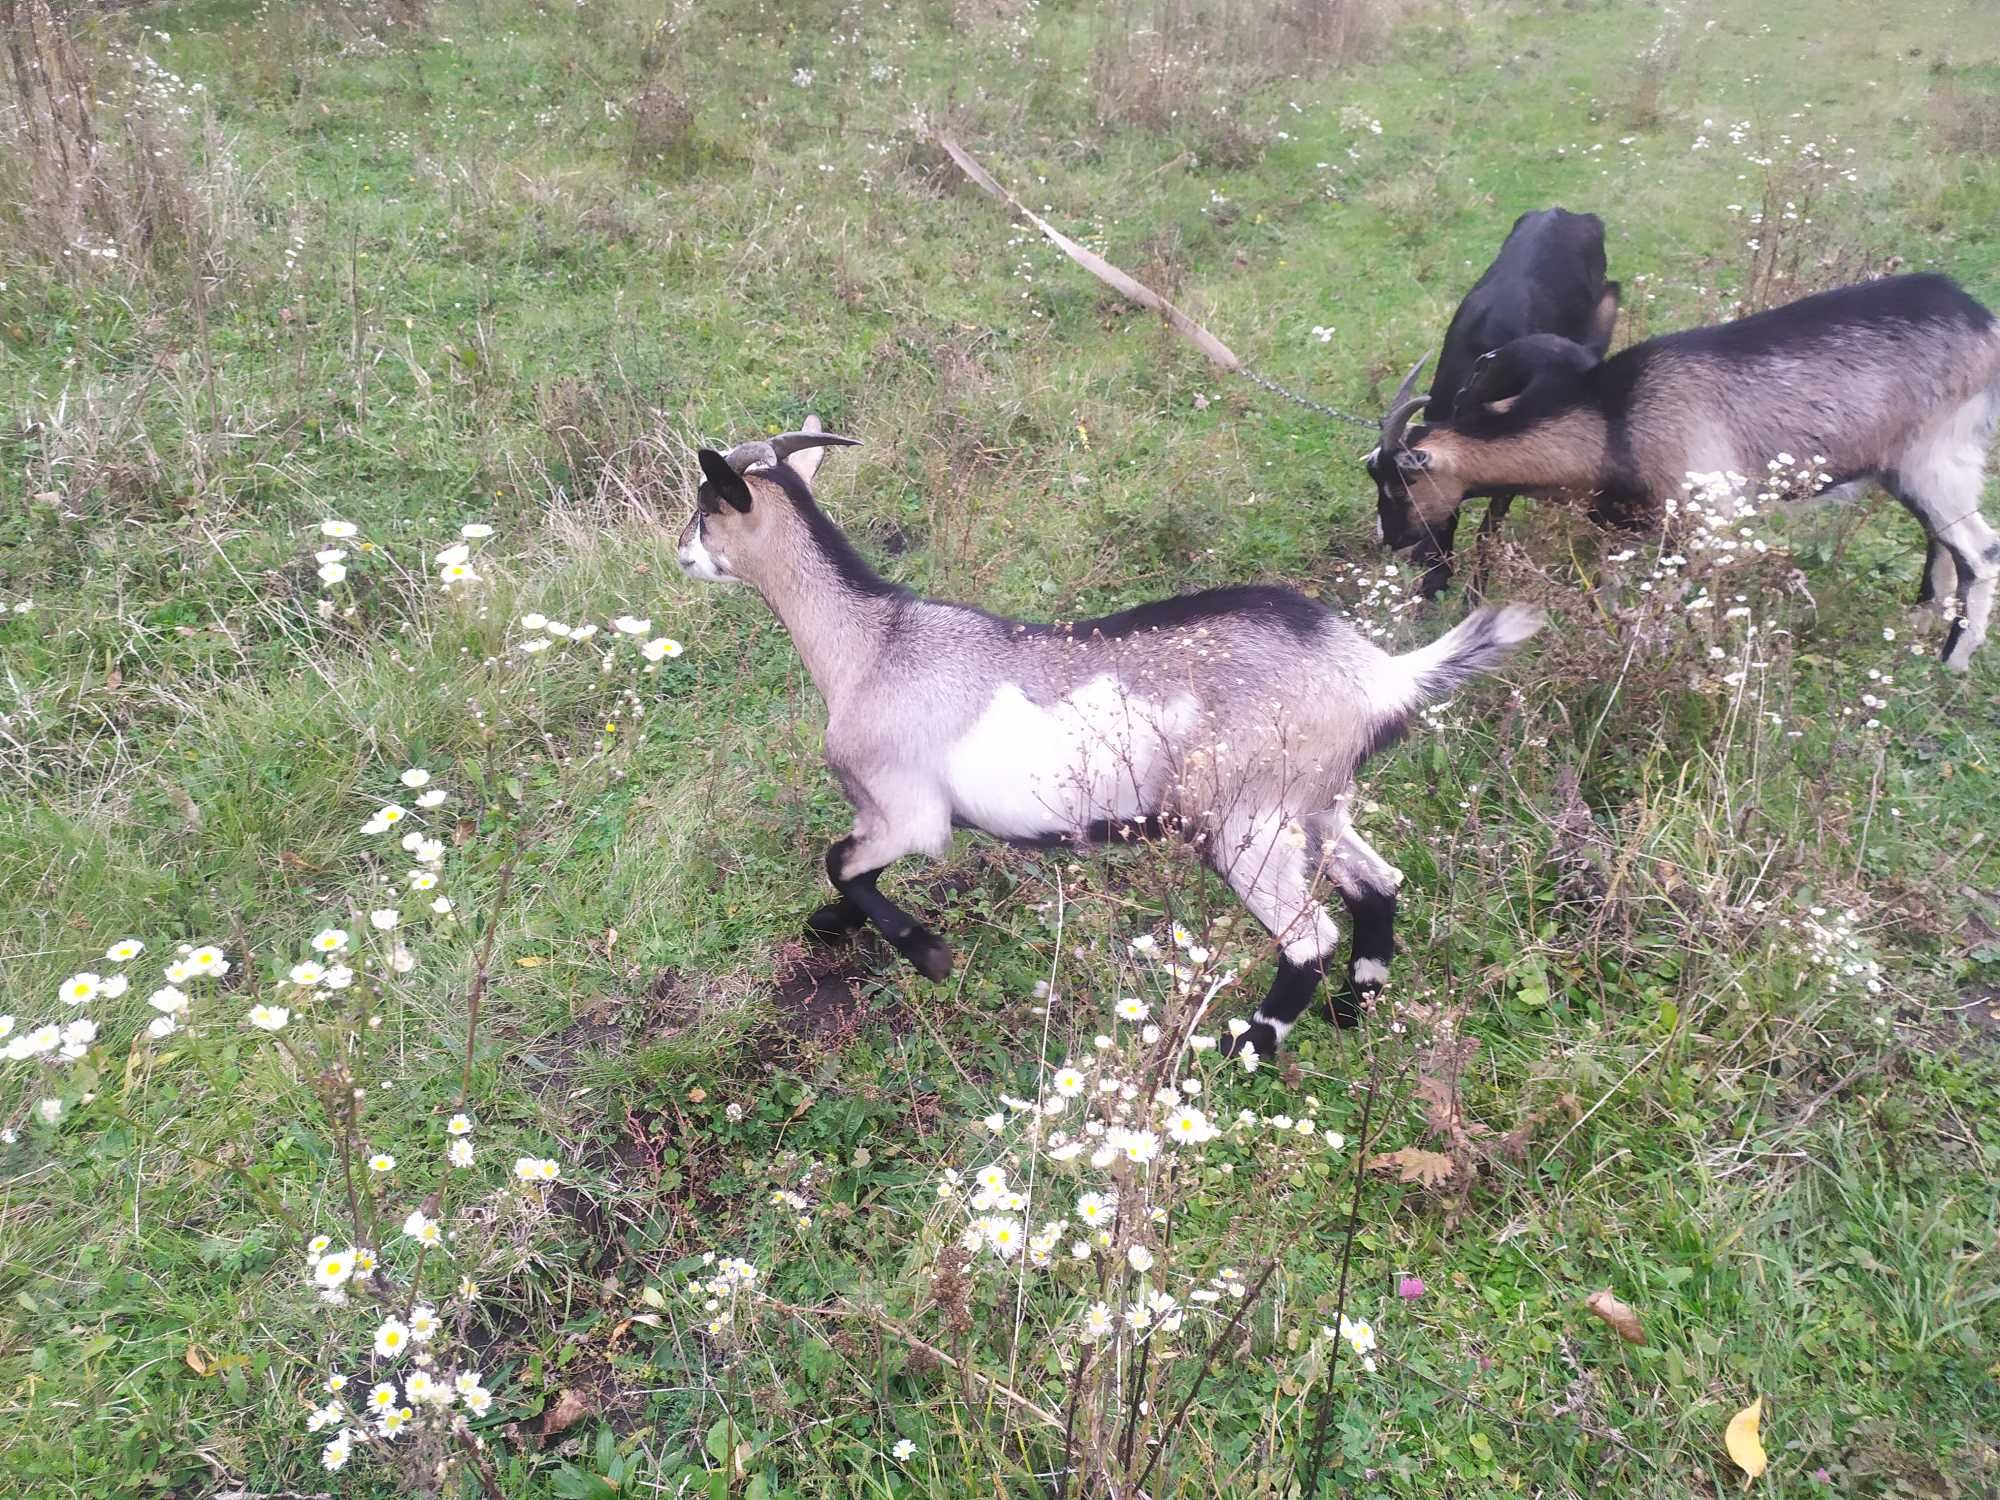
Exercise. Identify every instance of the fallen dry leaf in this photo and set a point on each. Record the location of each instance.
(567, 1410)
(697, 1094)
(1624, 1322)
(197, 1359)
(1413, 1165)
(1741, 1439)
(531, 960)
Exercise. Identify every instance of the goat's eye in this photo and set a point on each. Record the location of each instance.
(705, 501)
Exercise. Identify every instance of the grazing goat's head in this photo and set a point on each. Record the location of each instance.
(742, 502)
(1420, 472)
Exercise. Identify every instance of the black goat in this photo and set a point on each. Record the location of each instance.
(1547, 278)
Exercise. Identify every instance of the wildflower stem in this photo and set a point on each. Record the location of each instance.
(475, 992)
(1227, 1336)
(1323, 1418)
(482, 1469)
(272, 1205)
(903, 1331)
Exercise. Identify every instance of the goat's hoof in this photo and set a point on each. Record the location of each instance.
(1262, 1035)
(930, 955)
(833, 923)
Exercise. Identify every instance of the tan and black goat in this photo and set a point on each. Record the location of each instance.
(1235, 719)
(1894, 381)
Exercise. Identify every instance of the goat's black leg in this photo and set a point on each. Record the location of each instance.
(1292, 990)
(1371, 948)
(926, 951)
(836, 922)
(1434, 557)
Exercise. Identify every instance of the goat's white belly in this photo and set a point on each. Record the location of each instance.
(1027, 771)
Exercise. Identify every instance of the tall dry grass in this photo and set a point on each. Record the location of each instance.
(109, 163)
(1186, 67)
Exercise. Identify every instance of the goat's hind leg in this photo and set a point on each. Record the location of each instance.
(1939, 584)
(1367, 884)
(853, 865)
(1940, 479)
(1268, 861)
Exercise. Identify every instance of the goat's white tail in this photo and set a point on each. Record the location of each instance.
(1470, 649)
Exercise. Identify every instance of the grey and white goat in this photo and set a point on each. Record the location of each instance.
(1895, 381)
(1548, 278)
(1235, 719)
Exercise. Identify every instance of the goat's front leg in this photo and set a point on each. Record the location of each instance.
(1489, 528)
(1434, 557)
(1267, 862)
(853, 865)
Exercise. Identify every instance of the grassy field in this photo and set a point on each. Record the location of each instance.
(1699, 1001)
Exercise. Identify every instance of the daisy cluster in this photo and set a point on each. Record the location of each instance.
(1830, 947)
(722, 1292)
(627, 641)
(1092, 1152)
(391, 1410)
(341, 543)
(422, 1396)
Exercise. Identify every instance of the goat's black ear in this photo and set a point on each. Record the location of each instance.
(728, 484)
(1499, 377)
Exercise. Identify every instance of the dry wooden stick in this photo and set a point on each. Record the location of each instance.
(1219, 354)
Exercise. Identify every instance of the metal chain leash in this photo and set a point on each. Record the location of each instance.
(1306, 401)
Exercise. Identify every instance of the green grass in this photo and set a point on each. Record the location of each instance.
(501, 312)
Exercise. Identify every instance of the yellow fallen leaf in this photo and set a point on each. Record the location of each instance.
(1742, 1442)
(531, 960)
(197, 1359)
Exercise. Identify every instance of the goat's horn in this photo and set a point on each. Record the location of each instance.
(764, 453)
(757, 454)
(1402, 406)
(788, 443)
